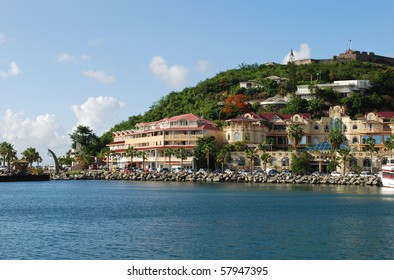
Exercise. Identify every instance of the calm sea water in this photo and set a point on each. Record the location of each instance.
(145, 220)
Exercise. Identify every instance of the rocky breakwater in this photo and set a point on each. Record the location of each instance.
(215, 177)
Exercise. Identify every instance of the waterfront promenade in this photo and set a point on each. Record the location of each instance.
(371, 180)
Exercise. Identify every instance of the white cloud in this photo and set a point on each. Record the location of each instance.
(174, 75)
(99, 76)
(303, 53)
(99, 113)
(203, 66)
(12, 71)
(41, 133)
(3, 39)
(95, 42)
(63, 57)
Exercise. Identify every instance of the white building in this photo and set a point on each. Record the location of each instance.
(346, 87)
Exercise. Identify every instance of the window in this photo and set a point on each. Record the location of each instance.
(228, 136)
(273, 161)
(285, 161)
(355, 127)
(236, 136)
(247, 137)
(353, 162)
(316, 127)
(367, 162)
(326, 128)
(316, 140)
(344, 128)
(355, 140)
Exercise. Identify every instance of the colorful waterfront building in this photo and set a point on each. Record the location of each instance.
(271, 128)
(153, 139)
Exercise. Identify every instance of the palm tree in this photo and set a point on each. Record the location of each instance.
(31, 155)
(344, 157)
(336, 138)
(131, 152)
(263, 147)
(295, 133)
(251, 155)
(7, 153)
(389, 144)
(181, 153)
(208, 147)
(169, 153)
(371, 147)
(223, 156)
(144, 156)
(265, 158)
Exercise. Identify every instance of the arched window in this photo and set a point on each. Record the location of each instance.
(355, 140)
(326, 128)
(316, 140)
(228, 136)
(236, 136)
(247, 137)
(273, 161)
(316, 127)
(285, 161)
(355, 127)
(353, 162)
(241, 161)
(366, 162)
(344, 128)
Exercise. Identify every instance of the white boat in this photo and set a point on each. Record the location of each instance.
(388, 174)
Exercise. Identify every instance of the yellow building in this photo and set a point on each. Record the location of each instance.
(271, 128)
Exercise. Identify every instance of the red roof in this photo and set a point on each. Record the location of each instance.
(385, 115)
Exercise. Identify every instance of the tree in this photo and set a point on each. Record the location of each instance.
(265, 158)
(239, 146)
(131, 152)
(205, 148)
(371, 147)
(7, 153)
(83, 135)
(251, 155)
(344, 155)
(236, 105)
(295, 105)
(389, 144)
(168, 153)
(144, 156)
(223, 156)
(336, 138)
(263, 147)
(181, 153)
(295, 133)
(31, 155)
(84, 157)
(300, 163)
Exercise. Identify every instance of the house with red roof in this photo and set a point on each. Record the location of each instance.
(153, 138)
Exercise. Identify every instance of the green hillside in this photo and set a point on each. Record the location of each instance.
(203, 99)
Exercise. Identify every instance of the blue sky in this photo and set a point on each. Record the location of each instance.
(68, 62)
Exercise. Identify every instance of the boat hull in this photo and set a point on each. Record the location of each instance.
(24, 178)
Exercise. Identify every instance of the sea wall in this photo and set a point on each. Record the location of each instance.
(214, 177)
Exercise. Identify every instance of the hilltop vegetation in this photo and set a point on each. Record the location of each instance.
(208, 98)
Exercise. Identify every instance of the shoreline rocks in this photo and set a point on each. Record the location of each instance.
(217, 178)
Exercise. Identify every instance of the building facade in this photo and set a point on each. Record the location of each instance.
(154, 138)
(183, 131)
(271, 128)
